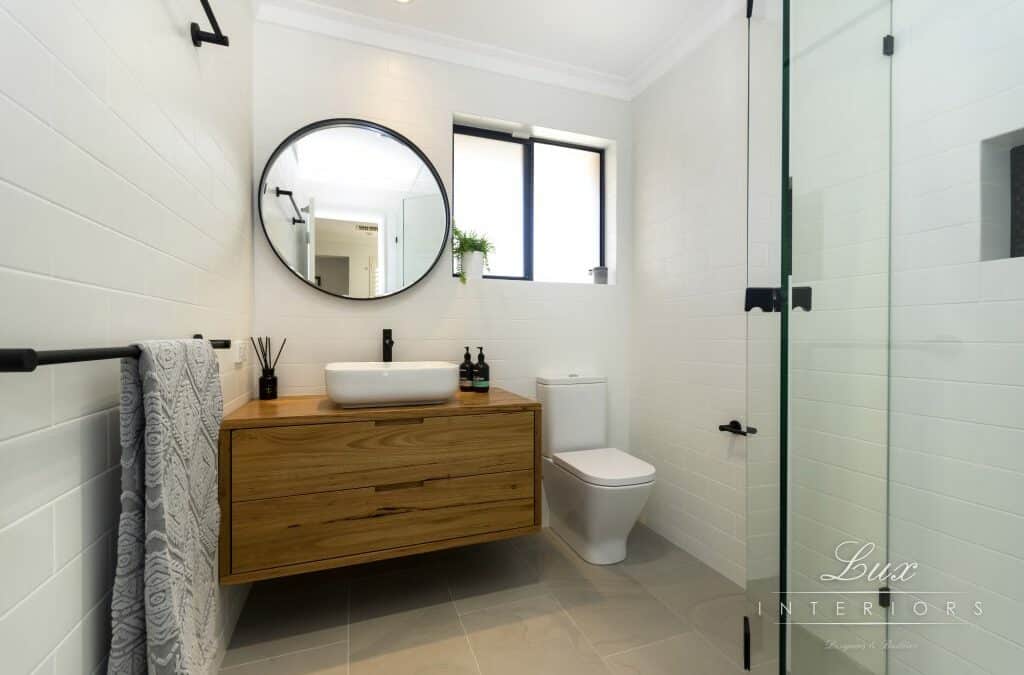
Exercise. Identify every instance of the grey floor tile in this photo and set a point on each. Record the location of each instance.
(484, 576)
(654, 561)
(406, 624)
(524, 606)
(558, 566)
(288, 615)
(695, 585)
(619, 616)
(327, 660)
(530, 637)
(687, 654)
(720, 621)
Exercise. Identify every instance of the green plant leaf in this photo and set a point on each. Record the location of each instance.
(464, 242)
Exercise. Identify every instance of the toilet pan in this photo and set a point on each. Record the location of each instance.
(594, 498)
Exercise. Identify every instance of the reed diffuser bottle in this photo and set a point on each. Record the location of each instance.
(268, 380)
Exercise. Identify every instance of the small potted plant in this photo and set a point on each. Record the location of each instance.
(471, 251)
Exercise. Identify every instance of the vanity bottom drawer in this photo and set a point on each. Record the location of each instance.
(269, 533)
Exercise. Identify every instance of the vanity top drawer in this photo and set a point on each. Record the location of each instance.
(269, 533)
(295, 460)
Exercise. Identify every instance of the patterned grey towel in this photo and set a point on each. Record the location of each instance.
(164, 603)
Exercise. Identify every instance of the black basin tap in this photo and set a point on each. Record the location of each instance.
(386, 344)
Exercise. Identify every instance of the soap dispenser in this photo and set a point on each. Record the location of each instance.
(466, 372)
(481, 374)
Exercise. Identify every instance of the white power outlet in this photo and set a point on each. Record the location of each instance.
(241, 352)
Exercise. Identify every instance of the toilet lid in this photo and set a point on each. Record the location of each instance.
(609, 467)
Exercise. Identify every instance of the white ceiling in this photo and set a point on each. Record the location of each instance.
(612, 47)
(616, 37)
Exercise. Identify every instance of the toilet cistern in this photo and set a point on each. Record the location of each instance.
(594, 493)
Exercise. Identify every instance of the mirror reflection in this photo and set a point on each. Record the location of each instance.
(354, 209)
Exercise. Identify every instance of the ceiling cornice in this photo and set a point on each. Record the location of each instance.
(330, 21)
(686, 42)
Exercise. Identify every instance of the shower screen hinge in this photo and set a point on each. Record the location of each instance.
(889, 45)
(771, 299)
(802, 296)
(765, 299)
(885, 597)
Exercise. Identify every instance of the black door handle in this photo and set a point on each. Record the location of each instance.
(734, 427)
(746, 643)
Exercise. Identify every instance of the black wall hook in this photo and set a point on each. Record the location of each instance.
(199, 36)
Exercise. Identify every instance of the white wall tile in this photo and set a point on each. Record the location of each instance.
(26, 556)
(45, 464)
(83, 515)
(690, 360)
(127, 195)
(30, 631)
(526, 328)
(84, 647)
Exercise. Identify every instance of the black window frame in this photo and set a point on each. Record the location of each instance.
(528, 185)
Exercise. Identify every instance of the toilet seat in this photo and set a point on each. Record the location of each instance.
(606, 467)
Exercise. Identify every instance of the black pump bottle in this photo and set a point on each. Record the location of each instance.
(466, 372)
(481, 374)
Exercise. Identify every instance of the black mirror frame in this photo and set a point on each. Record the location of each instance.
(362, 124)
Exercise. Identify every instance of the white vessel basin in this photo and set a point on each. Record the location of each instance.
(359, 385)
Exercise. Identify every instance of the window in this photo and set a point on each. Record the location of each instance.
(541, 203)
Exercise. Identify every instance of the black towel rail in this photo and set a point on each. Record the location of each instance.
(199, 36)
(27, 360)
(298, 219)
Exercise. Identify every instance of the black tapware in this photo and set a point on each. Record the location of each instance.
(387, 345)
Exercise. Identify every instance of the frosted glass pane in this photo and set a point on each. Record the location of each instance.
(489, 198)
(566, 213)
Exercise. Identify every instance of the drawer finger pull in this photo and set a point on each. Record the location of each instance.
(400, 486)
(396, 423)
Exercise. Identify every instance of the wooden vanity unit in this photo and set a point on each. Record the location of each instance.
(307, 485)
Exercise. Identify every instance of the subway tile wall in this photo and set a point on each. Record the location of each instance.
(689, 353)
(124, 180)
(956, 468)
(526, 328)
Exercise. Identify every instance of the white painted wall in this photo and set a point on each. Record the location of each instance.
(956, 465)
(526, 328)
(688, 365)
(124, 179)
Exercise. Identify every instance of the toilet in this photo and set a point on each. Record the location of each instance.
(594, 493)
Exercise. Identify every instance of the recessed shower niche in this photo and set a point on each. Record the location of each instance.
(1002, 196)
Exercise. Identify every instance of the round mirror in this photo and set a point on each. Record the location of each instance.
(354, 209)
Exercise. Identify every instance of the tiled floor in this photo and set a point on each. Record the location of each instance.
(527, 606)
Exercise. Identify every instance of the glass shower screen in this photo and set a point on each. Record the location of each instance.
(837, 242)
